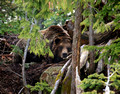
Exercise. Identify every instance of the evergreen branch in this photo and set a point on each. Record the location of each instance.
(91, 7)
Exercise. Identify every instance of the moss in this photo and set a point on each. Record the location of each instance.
(66, 86)
(50, 74)
(58, 76)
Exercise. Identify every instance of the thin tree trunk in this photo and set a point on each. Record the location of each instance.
(23, 68)
(91, 42)
(76, 46)
(23, 63)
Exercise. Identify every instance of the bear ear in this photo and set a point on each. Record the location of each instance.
(57, 41)
(70, 25)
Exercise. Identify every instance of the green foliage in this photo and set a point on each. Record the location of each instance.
(94, 81)
(17, 50)
(8, 22)
(27, 65)
(38, 44)
(107, 51)
(43, 86)
(95, 92)
(97, 81)
(25, 29)
(29, 29)
(10, 27)
(57, 18)
(101, 14)
(115, 82)
(91, 92)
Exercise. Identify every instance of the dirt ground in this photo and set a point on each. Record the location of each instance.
(10, 73)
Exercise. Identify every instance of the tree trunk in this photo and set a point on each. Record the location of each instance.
(91, 42)
(76, 46)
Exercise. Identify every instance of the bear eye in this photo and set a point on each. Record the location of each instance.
(60, 48)
(69, 49)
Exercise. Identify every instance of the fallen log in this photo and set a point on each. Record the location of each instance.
(59, 77)
(108, 34)
(99, 37)
(66, 84)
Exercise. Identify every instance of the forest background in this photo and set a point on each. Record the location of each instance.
(27, 17)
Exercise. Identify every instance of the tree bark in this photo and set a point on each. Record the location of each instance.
(91, 42)
(76, 46)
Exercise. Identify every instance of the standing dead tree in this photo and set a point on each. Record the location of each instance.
(91, 69)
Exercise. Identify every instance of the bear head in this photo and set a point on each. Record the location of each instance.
(61, 48)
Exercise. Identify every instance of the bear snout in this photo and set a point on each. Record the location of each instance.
(64, 55)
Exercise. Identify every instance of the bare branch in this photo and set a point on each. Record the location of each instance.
(21, 90)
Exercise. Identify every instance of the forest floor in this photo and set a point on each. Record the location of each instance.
(11, 73)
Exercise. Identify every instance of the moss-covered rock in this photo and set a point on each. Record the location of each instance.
(50, 74)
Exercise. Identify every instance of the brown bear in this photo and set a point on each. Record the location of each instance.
(59, 42)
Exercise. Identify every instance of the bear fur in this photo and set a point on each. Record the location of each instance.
(59, 42)
(69, 26)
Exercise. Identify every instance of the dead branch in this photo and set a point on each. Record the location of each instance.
(107, 88)
(60, 76)
(4, 40)
(100, 66)
(9, 69)
(17, 44)
(20, 90)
